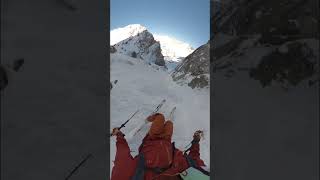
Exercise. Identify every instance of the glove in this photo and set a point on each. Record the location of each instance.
(116, 132)
(152, 117)
(197, 136)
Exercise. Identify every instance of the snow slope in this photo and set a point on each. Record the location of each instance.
(143, 86)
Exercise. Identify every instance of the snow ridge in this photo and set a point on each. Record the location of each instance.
(121, 34)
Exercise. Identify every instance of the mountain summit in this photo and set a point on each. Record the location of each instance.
(123, 33)
(172, 49)
(142, 46)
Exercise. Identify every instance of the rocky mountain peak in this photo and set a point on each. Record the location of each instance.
(143, 46)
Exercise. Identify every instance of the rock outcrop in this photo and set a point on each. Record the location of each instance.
(271, 41)
(194, 69)
(143, 46)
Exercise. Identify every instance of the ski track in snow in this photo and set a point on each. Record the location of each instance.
(141, 86)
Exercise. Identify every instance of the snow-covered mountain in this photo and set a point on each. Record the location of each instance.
(190, 66)
(141, 46)
(172, 48)
(120, 34)
(194, 69)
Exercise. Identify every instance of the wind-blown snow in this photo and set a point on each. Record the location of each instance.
(173, 48)
(142, 86)
(120, 34)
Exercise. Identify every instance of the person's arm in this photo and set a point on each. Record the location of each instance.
(124, 163)
(123, 150)
(195, 149)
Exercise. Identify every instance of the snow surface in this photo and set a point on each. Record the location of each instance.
(143, 86)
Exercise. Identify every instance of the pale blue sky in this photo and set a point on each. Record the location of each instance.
(186, 20)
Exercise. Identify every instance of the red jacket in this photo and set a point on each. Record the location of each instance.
(158, 153)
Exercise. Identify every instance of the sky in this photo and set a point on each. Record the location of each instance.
(185, 20)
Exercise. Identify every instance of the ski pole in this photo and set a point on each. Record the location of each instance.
(78, 166)
(124, 124)
(90, 155)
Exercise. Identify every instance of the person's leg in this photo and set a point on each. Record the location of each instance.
(157, 126)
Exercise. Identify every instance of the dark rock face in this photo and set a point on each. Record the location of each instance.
(241, 27)
(113, 49)
(159, 59)
(111, 86)
(68, 4)
(289, 67)
(3, 78)
(7, 70)
(143, 46)
(269, 18)
(134, 54)
(194, 69)
(17, 64)
(199, 82)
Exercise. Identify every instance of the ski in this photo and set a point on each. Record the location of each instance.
(171, 115)
(159, 106)
(155, 111)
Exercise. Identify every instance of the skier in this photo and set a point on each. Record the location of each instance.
(158, 159)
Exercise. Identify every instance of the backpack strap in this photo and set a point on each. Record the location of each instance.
(139, 172)
(173, 150)
(192, 163)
